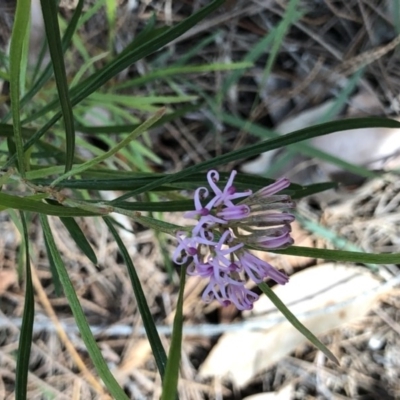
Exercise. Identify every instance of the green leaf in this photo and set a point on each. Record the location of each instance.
(313, 189)
(19, 33)
(148, 33)
(112, 129)
(83, 326)
(170, 383)
(274, 37)
(79, 238)
(125, 59)
(52, 29)
(25, 339)
(151, 330)
(94, 161)
(27, 204)
(91, 84)
(7, 130)
(290, 16)
(54, 274)
(295, 322)
(186, 69)
(111, 12)
(47, 72)
(340, 255)
(132, 180)
(140, 103)
(302, 148)
(271, 144)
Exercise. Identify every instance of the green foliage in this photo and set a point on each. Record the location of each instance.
(25, 340)
(151, 330)
(53, 175)
(170, 383)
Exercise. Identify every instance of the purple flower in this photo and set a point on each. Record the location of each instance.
(206, 218)
(216, 244)
(234, 212)
(277, 239)
(200, 211)
(257, 269)
(187, 247)
(275, 187)
(229, 292)
(229, 193)
(241, 297)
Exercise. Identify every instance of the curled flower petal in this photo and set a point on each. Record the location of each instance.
(241, 297)
(275, 187)
(258, 270)
(278, 242)
(201, 269)
(229, 193)
(199, 209)
(234, 212)
(212, 292)
(181, 253)
(204, 223)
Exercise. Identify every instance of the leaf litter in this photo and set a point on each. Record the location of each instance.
(317, 57)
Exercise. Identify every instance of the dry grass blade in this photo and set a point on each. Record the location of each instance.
(43, 299)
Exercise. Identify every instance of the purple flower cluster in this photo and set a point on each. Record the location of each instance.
(217, 243)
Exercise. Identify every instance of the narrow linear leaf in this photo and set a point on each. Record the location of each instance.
(290, 16)
(295, 322)
(25, 339)
(138, 102)
(256, 50)
(151, 330)
(111, 181)
(54, 274)
(34, 138)
(91, 163)
(52, 29)
(340, 255)
(47, 72)
(98, 130)
(162, 206)
(186, 69)
(125, 59)
(111, 12)
(37, 173)
(27, 204)
(97, 80)
(170, 383)
(144, 35)
(19, 32)
(83, 326)
(313, 189)
(79, 238)
(271, 144)
(7, 130)
(12, 150)
(302, 148)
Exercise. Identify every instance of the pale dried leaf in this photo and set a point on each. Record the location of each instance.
(369, 147)
(322, 297)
